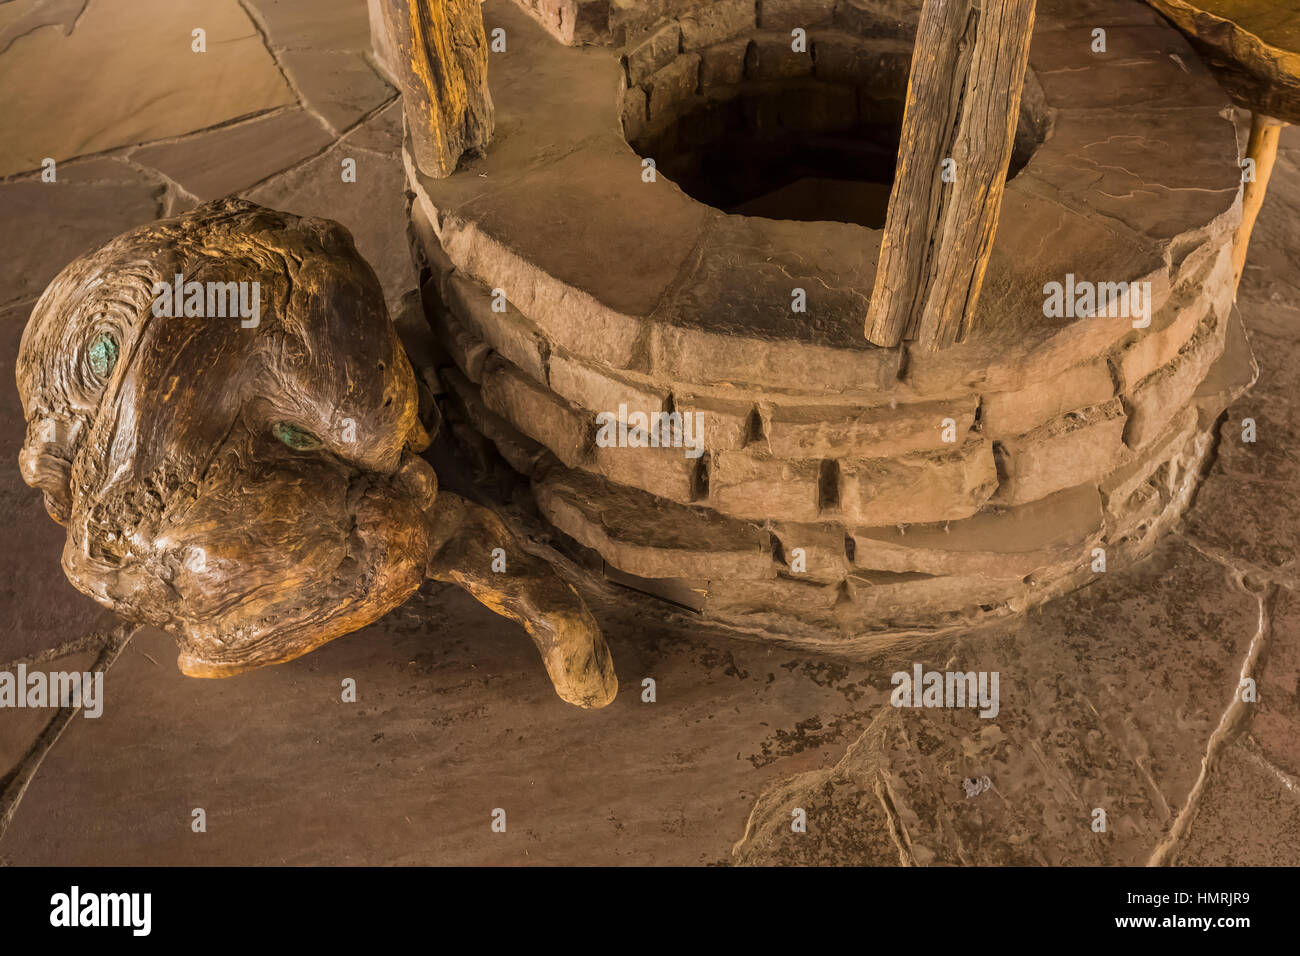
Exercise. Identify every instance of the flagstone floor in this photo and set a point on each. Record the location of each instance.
(1119, 697)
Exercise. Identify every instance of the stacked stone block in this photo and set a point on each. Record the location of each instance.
(844, 491)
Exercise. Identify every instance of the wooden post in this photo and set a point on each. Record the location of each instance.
(963, 101)
(1262, 148)
(439, 57)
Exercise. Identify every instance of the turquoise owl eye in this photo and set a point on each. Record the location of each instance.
(102, 355)
(297, 438)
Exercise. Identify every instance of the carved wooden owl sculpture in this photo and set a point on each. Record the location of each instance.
(220, 412)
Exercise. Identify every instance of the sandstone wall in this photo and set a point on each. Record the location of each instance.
(897, 527)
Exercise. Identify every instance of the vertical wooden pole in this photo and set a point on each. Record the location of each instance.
(438, 53)
(963, 101)
(1262, 148)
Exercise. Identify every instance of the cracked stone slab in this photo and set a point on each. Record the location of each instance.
(1116, 162)
(318, 25)
(136, 79)
(448, 713)
(340, 88)
(822, 550)
(624, 265)
(665, 472)
(1111, 710)
(88, 204)
(19, 19)
(848, 823)
(220, 162)
(507, 331)
(757, 488)
(1131, 74)
(1156, 400)
(1132, 478)
(596, 388)
(1245, 507)
(537, 413)
(1249, 815)
(20, 728)
(862, 615)
(1275, 717)
(754, 265)
(941, 486)
(383, 133)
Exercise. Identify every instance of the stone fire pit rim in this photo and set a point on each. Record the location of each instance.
(642, 261)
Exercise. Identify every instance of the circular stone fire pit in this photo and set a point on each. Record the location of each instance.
(841, 491)
(750, 128)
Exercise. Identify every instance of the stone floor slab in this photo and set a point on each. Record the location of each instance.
(21, 727)
(226, 160)
(45, 225)
(1275, 715)
(127, 74)
(454, 718)
(1248, 816)
(340, 88)
(317, 25)
(1108, 699)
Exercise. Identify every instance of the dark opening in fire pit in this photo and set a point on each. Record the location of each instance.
(804, 147)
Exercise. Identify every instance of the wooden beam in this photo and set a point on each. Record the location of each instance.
(439, 58)
(963, 101)
(1262, 148)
